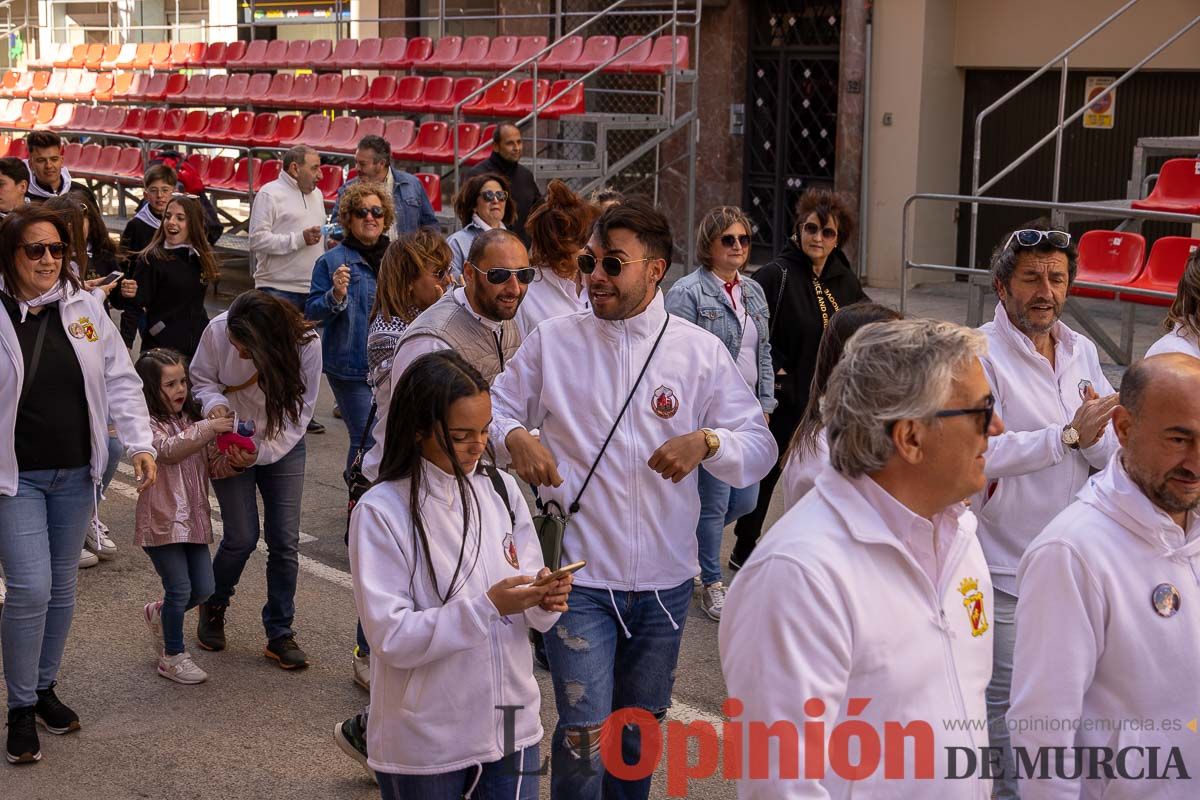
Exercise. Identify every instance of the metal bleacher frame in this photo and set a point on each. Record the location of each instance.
(1129, 218)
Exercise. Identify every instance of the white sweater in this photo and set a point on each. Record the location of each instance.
(439, 670)
(801, 470)
(111, 385)
(1032, 475)
(570, 378)
(548, 297)
(278, 216)
(217, 366)
(832, 605)
(1177, 341)
(1092, 648)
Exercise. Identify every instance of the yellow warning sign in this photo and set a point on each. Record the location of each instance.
(1100, 113)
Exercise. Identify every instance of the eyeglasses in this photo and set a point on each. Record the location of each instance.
(498, 276)
(1028, 237)
(440, 274)
(374, 211)
(36, 250)
(492, 196)
(729, 240)
(812, 229)
(988, 410)
(161, 191)
(612, 265)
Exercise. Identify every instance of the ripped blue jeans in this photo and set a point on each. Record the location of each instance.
(612, 650)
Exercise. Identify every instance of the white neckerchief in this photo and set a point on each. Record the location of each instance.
(180, 246)
(47, 298)
(36, 189)
(149, 217)
(478, 220)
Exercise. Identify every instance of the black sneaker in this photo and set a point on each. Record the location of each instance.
(23, 745)
(285, 650)
(53, 713)
(351, 738)
(315, 427)
(740, 555)
(210, 630)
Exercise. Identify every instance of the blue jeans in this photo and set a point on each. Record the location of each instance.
(597, 670)
(297, 299)
(187, 578)
(281, 485)
(499, 780)
(720, 506)
(1004, 628)
(41, 533)
(354, 399)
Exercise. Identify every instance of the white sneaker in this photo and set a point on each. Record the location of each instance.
(98, 540)
(712, 600)
(362, 669)
(88, 559)
(152, 614)
(181, 669)
(3, 591)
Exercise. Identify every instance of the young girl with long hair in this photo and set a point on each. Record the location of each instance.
(444, 555)
(260, 363)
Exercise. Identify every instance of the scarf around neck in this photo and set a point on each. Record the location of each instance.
(49, 297)
(37, 190)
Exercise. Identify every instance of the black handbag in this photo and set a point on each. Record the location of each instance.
(551, 523)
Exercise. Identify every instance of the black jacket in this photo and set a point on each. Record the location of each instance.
(525, 192)
(136, 237)
(171, 290)
(796, 321)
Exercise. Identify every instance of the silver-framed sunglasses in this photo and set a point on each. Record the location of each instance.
(1028, 237)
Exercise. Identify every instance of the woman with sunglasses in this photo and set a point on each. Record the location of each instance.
(483, 204)
(341, 297)
(805, 285)
(716, 298)
(64, 372)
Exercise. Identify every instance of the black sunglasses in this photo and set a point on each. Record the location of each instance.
(611, 264)
(729, 240)
(493, 195)
(499, 276)
(374, 211)
(812, 229)
(988, 410)
(36, 250)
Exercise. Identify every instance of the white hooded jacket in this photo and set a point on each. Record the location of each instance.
(1032, 475)
(111, 385)
(1091, 646)
(439, 670)
(833, 606)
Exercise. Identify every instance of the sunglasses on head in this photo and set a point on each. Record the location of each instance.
(499, 276)
(374, 211)
(729, 240)
(1031, 238)
(611, 264)
(493, 195)
(36, 250)
(812, 229)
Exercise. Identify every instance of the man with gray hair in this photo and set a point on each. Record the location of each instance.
(870, 598)
(285, 228)
(1056, 404)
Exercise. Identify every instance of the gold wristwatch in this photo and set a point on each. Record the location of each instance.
(712, 440)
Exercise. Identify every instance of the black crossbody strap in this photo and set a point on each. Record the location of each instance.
(778, 302)
(362, 440)
(27, 384)
(574, 509)
(498, 484)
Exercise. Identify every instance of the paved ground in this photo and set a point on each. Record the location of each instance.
(254, 731)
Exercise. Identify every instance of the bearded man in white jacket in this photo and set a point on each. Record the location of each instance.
(1108, 621)
(867, 606)
(1056, 404)
(683, 402)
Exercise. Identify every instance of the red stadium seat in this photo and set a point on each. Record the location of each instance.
(64, 117)
(106, 164)
(198, 162)
(194, 124)
(596, 50)
(431, 137)
(251, 58)
(129, 165)
(343, 135)
(303, 90)
(181, 54)
(344, 53)
(484, 152)
(1164, 268)
(410, 93)
(371, 126)
(88, 156)
(91, 118)
(123, 86)
(352, 94)
(276, 56)
(95, 55)
(214, 55)
(379, 95)
(391, 55)
(241, 174)
(219, 172)
(320, 55)
(499, 95)
(215, 93)
(152, 123)
(8, 82)
(288, 129)
(137, 87)
(177, 84)
(399, 133)
(296, 55)
(325, 94)
(235, 89)
(218, 127)
(173, 120)
(194, 95)
(1177, 189)
(160, 56)
(20, 149)
(432, 184)
(71, 151)
(156, 89)
(265, 131)
(472, 56)
(630, 58)
(527, 48)
(240, 128)
(316, 128)
(437, 92)
(132, 126)
(444, 55)
(526, 99)
(502, 53)
(267, 171)
(1108, 257)
(462, 88)
(419, 49)
(330, 181)
(114, 119)
(468, 138)
(660, 60)
(367, 56)
(87, 87)
(570, 103)
(112, 52)
(263, 85)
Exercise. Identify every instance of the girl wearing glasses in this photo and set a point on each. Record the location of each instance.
(483, 203)
(342, 295)
(805, 285)
(64, 372)
(716, 298)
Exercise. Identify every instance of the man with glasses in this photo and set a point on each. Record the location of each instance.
(1056, 403)
(373, 159)
(870, 599)
(629, 402)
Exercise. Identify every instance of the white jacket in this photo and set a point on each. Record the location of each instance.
(217, 366)
(1032, 475)
(278, 216)
(833, 606)
(570, 378)
(438, 670)
(111, 385)
(1092, 648)
(1177, 341)
(548, 297)
(801, 470)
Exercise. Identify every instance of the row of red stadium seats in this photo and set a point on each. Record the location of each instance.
(1115, 258)
(449, 53)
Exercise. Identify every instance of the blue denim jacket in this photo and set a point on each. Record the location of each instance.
(344, 325)
(700, 297)
(413, 209)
